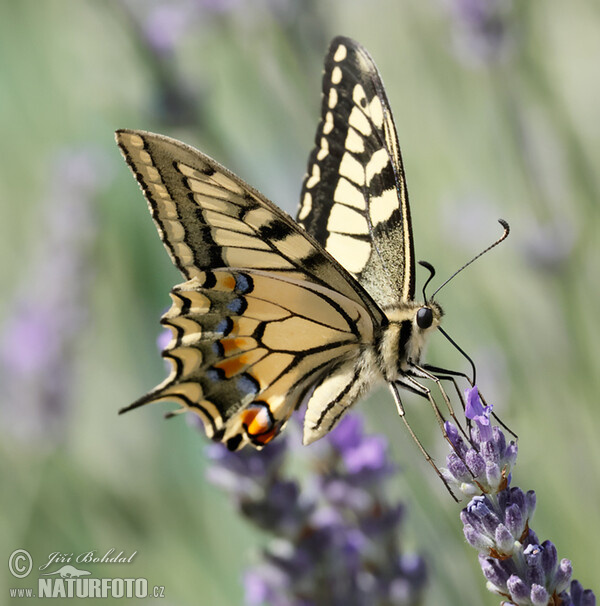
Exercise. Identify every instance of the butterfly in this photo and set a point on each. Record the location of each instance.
(274, 312)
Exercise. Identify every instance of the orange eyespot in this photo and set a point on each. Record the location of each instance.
(266, 438)
(258, 422)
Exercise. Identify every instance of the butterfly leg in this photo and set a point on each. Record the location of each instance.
(409, 382)
(401, 412)
(449, 375)
(431, 373)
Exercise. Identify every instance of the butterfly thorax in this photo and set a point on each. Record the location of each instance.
(403, 340)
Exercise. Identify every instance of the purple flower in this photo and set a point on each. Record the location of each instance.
(496, 522)
(336, 544)
(49, 308)
(479, 413)
(577, 596)
(482, 29)
(549, 245)
(165, 24)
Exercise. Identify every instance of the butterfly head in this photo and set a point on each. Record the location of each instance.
(424, 320)
(405, 337)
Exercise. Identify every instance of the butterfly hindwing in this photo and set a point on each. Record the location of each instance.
(354, 199)
(243, 359)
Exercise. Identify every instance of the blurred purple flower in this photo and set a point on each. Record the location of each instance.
(217, 6)
(482, 29)
(496, 522)
(548, 246)
(165, 24)
(162, 25)
(48, 309)
(335, 545)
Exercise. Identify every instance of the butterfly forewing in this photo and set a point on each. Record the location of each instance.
(354, 199)
(208, 217)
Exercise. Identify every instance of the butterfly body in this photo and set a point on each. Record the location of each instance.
(276, 312)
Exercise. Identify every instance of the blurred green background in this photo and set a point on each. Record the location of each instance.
(497, 110)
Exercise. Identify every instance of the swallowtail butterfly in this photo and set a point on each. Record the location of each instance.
(274, 312)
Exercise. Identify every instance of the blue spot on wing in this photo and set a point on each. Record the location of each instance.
(237, 305)
(224, 326)
(247, 384)
(243, 283)
(215, 375)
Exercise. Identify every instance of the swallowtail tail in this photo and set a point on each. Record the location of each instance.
(274, 312)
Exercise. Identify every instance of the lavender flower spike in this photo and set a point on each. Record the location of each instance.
(497, 520)
(335, 544)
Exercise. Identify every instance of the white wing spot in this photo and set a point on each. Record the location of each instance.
(336, 75)
(359, 121)
(358, 96)
(306, 207)
(347, 193)
(160, 190)
(208, 189)
(170, 210)
(346, 220)
(315, 177)
(379, 160)
(328, 125)
(257, 259)
(353, 254)
(376, 111)
(382, 207)
(225, 237)
(322, 153)
(352, 169)
(354, 142)
(333, 98)
(340, 53)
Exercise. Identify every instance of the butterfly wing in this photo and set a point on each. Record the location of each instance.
(265, 312)
(248, 345)
(208, 217)
(354, 199)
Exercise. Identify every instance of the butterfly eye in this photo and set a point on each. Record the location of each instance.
(424, 317)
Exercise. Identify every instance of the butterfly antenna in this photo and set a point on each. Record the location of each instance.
(429, 267)
(463, 352)
(500, 239)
